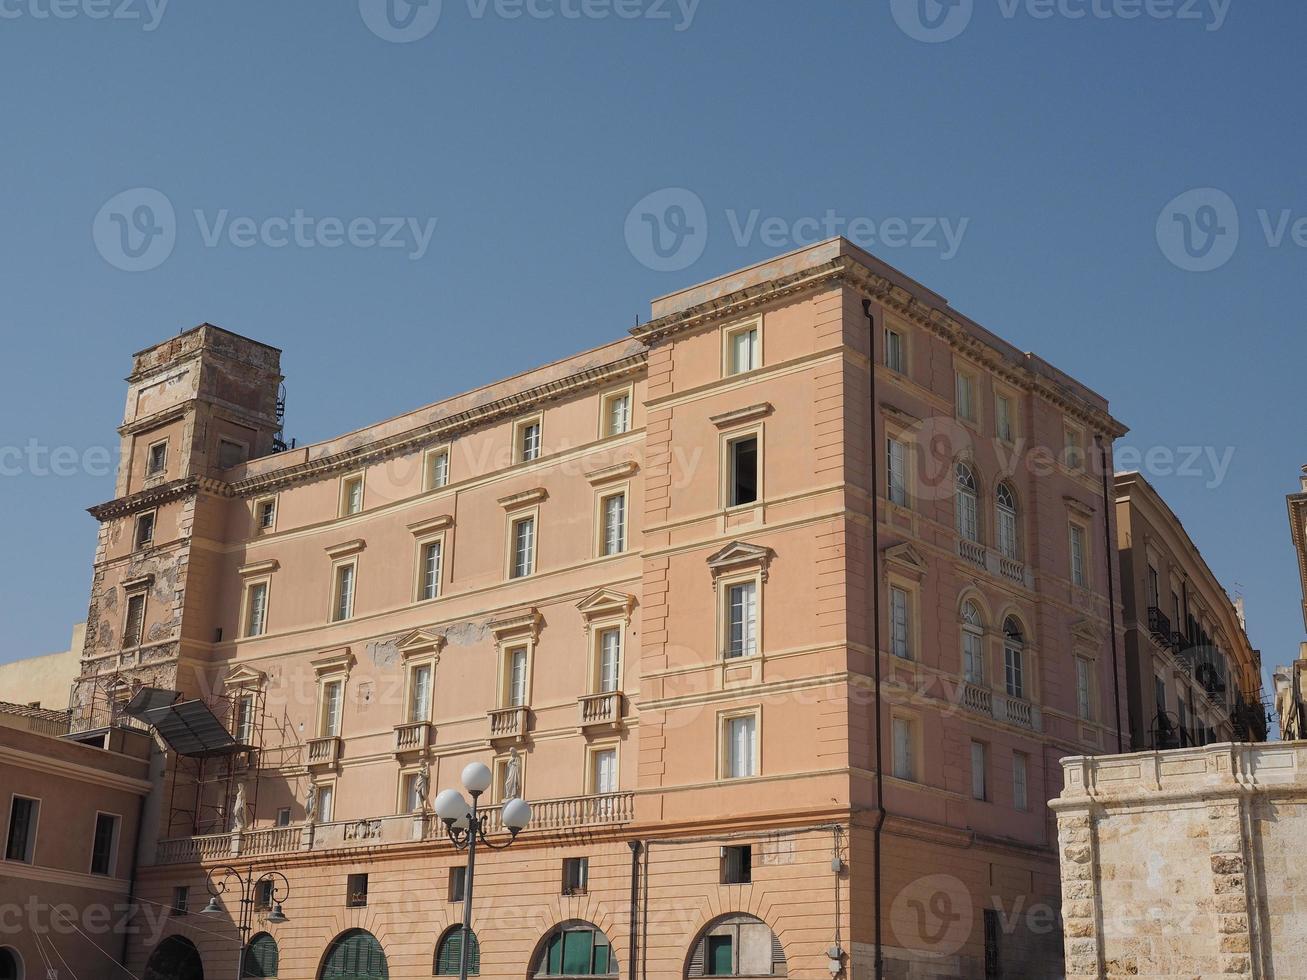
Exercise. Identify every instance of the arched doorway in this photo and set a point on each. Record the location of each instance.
(11, 966)
(354, 955)
(176, 958)
(736, 946)
(449, 952)
(261, 957)
(574, 949)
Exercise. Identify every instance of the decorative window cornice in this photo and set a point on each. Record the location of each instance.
(1078, 506)
(138, 584)
(340, 662)
(906, 556)
(740, 416)
(245, 677)
(606, 602)
(898, 414)
(420, 641)
(258, 568)
(609, 474)
(740, 556)
(524, 624)
(346, 548)
(524, 499)
(431, 525)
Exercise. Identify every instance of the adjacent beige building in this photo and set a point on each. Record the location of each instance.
(45, 681)
(640, 582)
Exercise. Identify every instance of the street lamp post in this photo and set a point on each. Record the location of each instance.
(220, 879)
(466, 825)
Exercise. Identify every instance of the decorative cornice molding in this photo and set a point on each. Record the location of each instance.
(346, 548)
(156, 495)
(138, 584)
(527, 622)
(244, 676)
(907, 556)
(618, 471)
(740, 555)
(342, 661)
(740, 416)
(154, 421)
(524, 499)
(420, 641)
(898, 414)
(431, 525)
(606, 602)
(259, 568)
(1078, 506)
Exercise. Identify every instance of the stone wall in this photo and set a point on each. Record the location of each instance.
(1178, 864)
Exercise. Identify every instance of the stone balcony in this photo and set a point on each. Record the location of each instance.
(1002, 707)
(601, 710)
(996, 564)
(414, 737)
(564, 813)
(324, 751)
(508, 724)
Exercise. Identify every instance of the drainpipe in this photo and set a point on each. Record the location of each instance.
(1109, 556)
(875, 631)
(636, 847)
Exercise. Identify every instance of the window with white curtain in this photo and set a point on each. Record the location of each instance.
(419, 704)
(896, 471)
(603, 771)
(904, 763)
(973, 644)
(1006, 503)
(900, 633)
(524, 543)
(614, 529)
(610, 660)
(517, 677)
(741, 746)
(742, 620)
(968, 521)
(332, 698)
(256, 618)
(432, 555)
(744, 353)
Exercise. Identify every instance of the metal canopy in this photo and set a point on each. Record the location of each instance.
(148, 698)
(191, 729)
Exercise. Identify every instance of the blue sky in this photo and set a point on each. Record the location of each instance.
(1055, 147)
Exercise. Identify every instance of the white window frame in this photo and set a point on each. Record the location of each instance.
(902, 642)
(727, 466)
(966, 381)
(602, 498)
(732, 331)
(259, 504)
(598, 630)
(973, 633)
(507, 650)
(244, 706)
(898, 484)
(346, 483)
(725, 584)
(979, 771)
(247, 630)
(1007, 522)
(520, 447)
(113, 847)
(150, 469)
(324, 718)
(412, 715)
(1078, 557)
(327, 813)
(898, 365)
(592, 753)
(1015, 651)
(429, 460)
(514, 519)
(606, 401)
(966, 503)
(337, 568)
(420, 568)
(725, 751)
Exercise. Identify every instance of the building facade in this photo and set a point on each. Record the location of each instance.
(70, 821)
(1193, 677)
(644, 584)
(44, 681)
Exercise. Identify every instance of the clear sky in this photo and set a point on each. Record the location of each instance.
(1024, 160)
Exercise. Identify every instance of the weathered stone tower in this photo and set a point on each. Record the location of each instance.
(197, 405)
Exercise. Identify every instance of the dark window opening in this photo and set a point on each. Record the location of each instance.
(576, 874)
(737, 865)
(744, 471)
(106, 827)
(457, 882)
(992, 932)
(356, 892)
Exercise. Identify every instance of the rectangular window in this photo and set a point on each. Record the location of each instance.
(105, 844)
(419, 698)
(356, 892)
(1079, 576)
(333, 693)
(896, 355)
(265, 514)
(1020, 798)
(979, 763)
(528, 441)
(966, 396)
(326, 803)
(263, 895)
(617, 414)
(1084, 689)
(230, 454)
(737, 865)
(1073, 455)
(181, 900)
(610, 660)
(1014, 671)
(524, 547)
(603, 772)
(437, 469)
(1003, 426)
(256, 609)
(896, 472)
(432, 556)
(614, 529)
(516, 678)
(351, 495)
(343, 601)
(576, 875)
(144, 530)
(719, 956)
(283, 817)
(741, 746)
(904, 763)
(742, 620)
(409, 793)
(244, 719)
(134, 623)
(743, 350)
(457, 882)
(973, 657)
(742, 457)
(23, 814)
(993, 932)
(1152, 587)
(158, 459)
(900, 633)
(1159, 694)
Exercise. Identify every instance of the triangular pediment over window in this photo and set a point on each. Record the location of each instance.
(244, 676)
(420, 641)
(907, 556)
(1087, 633)
(607, 602)
(740, 556)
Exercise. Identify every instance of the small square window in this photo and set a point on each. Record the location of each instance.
(742, 459)
(457, 883)
(576, 875)
(181, 900)
(283, 817)
(265, 514)
(743, 349)
(356, 892)
(157, 459)
(616, 413)
(144, 536)
(737, 865)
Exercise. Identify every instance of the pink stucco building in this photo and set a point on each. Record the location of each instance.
(651, 570)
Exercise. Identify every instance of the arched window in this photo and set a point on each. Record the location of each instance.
(1014, 658)
(176, 958)
(1006, 504)
(736, 946)
(967, 518)
(260, 957)
(450, 949)
(575, 949)
(354, 955)
(973, 644)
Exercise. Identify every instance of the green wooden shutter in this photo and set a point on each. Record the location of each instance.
(261, 957)
(356, 956)
(719, 956)
(450, 951)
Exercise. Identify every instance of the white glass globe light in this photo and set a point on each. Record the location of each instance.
(517, 814)
(476, 778)
(450, 805)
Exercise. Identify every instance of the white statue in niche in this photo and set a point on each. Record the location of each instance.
(239, 818)
(311, 803)
(422, 786)
(513, 776)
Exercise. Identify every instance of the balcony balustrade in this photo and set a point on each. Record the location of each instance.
(1012, 569)
(324, 751)
(972, 551)
(508, 723)
(1002, 707)
(1159, 625)
(600, 710)
(414, 737)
